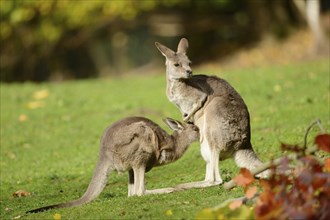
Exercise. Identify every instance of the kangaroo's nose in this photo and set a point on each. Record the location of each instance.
(189, 72)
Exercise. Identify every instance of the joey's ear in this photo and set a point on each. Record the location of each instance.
(173, 124)
(183, 46)
(167, 52)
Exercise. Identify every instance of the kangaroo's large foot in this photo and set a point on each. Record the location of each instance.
(200, 184)
(160, 191)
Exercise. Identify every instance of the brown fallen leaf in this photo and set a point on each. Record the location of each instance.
(21, 193)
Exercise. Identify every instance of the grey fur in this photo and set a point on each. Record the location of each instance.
(136, 145)
(216, 108)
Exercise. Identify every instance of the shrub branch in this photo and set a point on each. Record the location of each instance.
(274, 163)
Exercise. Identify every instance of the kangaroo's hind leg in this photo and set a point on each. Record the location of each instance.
(210, 150)
(206, 154)
(139, 173)
(211, 156)
(212, 176)
(214, 167)
(130, 182)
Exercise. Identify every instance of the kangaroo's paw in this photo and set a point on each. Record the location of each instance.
(188, 118)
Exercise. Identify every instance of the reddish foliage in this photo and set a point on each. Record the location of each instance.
(302, 192)
(292, 148)
(251, 192)
(323, 142)
(327, 165)
(244, 178)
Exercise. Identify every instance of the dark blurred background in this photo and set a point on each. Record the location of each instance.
(52, 40)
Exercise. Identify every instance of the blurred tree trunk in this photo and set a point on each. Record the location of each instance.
(310, 10)
(259, 16)
(272, 17)
(313, 20)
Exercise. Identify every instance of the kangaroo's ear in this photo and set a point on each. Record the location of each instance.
(173, 124)
(183, 46)
(167, 52)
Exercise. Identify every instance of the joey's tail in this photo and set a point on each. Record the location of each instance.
(94, 189)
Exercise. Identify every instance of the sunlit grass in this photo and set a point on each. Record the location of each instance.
(51, 148)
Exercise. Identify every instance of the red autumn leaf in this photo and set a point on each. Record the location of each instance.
(304, 195)
(244, 178)
(304, 180)
(299, 214)
(251, 192)
(323, 142)
(268, 207)
(265, 184)
(292, 148)
(319, 180)
(327, 165)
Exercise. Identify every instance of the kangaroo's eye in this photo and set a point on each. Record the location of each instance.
(176, 65)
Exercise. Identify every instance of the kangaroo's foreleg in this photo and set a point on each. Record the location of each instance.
(198, 105)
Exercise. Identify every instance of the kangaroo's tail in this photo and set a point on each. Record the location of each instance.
(94, 189)
(248, 158)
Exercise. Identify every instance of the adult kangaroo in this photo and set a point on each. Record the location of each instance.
(216, 108)
(135, 144)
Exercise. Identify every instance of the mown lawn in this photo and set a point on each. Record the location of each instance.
(49, 146)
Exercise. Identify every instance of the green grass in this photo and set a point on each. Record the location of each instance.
(53, 153)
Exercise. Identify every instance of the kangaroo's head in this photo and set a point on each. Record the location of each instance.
(188, 132)
(184, 134)
(177, 63)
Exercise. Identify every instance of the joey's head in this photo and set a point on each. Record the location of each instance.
(177, 63)
(186, 132)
